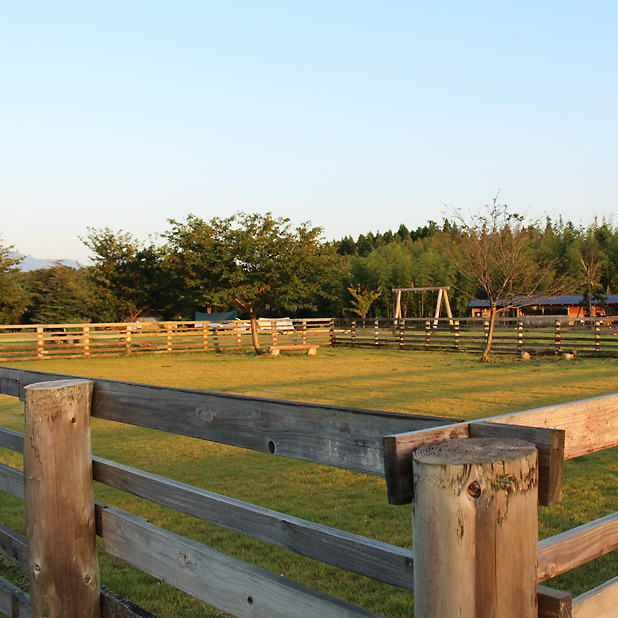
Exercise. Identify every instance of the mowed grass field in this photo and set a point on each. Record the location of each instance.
(432, 383)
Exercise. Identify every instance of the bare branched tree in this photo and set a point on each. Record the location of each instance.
(495, 253)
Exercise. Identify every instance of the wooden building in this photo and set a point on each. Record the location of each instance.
(572, 306)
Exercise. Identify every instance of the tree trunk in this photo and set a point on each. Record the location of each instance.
(490, 333)
(254, 332)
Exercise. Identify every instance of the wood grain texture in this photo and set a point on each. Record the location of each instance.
(115, 606)
(398, 451)
(233, 586)
(58, 491)
(14, 603)
(13, 440)
(475, 527)
(601, 602)
(12, 481)
(13, 547)
(344, 437)
(550, 446)
(566, 551)
(590, 425)
(380, 561)
(554, 603)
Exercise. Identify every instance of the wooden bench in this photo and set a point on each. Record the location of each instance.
(274, 350)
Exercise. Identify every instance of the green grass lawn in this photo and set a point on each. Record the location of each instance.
(413, 382)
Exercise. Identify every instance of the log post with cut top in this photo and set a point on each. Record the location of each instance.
(58, 489)
(475, 529)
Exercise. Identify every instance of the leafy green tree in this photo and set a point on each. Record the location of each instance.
(12, 298)
(129, 278)
(362, 299)
(253, 260)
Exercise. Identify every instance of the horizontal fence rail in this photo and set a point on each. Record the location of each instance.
(542, 335)
(43, 341)
(241, 589)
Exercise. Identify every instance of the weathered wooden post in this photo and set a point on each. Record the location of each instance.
(127, 338)
(427, 333)
(303, 332)
(169, 332)
(456, 334)
(557, 338)
(475, 529)
(353, 332)
(273, 331)
(520, 336)
(40, 346)
(402, 333)
(86, 339)
(376, 332)
(597, 336)
(58, 488)
(204, 336)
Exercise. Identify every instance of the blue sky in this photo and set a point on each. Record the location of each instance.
(356, 116)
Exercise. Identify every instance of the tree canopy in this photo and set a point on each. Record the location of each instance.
(252, 260)
(262, 265)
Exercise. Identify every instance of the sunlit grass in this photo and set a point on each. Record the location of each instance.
(412, 382)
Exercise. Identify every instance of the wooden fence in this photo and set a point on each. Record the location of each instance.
(42, 341)
(504, 563)
(540, 335)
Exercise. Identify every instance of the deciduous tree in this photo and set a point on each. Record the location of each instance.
(254, 261)
(496, 253)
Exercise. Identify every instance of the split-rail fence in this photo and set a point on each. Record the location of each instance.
(44, 341)
(535, 334)
(473, 487)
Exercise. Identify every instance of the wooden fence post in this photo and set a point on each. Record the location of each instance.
(204, 336)
(58, 488)
(169, 346)
(557, 337)
(40, 348)
(86, 339)
(427, 333)
(127, 338)
(402, 333)
(597, 337)
(456, 334)
(273, 331)
(353, 332)
(475, 529)
(303, 332)
(520, 336)
(376, 334)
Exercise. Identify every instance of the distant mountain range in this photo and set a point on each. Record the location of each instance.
(30, 263)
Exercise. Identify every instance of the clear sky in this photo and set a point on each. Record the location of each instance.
(354, 115)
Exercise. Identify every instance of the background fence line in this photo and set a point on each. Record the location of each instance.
(42, 341)
(536, 335)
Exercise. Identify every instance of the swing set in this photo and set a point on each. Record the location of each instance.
(442, 296)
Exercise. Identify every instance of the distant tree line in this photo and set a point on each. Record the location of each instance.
(260, 265)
